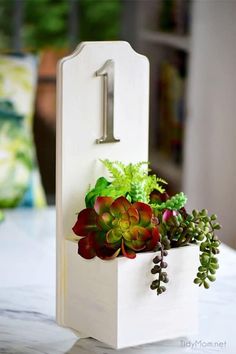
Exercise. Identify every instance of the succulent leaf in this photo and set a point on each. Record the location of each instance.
(127, 252)
(86, 222)
(100, 186)
(174, 203)
(102, 204)
(145, 212)
(113, 236)
(120, 206)
(86, 246)
(107, 253)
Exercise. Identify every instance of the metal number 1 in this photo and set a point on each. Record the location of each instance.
(107, 71)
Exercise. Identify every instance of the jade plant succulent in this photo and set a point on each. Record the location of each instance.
(131, 212)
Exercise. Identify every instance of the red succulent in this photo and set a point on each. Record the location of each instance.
(116, 226)
(168, 214)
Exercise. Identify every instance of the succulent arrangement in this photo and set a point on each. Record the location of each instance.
(131, 212)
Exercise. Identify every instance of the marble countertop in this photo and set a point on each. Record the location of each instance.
(27, 297)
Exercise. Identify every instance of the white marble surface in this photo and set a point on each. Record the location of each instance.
(27, 298)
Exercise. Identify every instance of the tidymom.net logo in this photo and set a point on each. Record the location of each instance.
(203, 344)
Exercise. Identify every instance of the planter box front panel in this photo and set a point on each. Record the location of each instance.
(91, 296)
(112, 301)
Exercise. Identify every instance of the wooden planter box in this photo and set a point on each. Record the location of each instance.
(112, 300)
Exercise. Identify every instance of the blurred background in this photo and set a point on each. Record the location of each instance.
(191, 46)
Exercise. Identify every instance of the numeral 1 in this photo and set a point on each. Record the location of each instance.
(107, 72)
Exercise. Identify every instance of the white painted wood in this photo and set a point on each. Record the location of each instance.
(27, 300)
(112, 300)
(79, 124)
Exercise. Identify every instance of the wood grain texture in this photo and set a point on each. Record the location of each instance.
(112, 300)
(79, 124)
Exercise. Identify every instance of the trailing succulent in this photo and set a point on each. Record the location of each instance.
(131, 212)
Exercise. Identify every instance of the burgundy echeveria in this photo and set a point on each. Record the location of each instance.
(115, 226)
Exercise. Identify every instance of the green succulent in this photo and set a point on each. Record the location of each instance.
(176, 202)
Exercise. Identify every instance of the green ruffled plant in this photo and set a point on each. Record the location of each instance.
(131, 212)
(131, 181)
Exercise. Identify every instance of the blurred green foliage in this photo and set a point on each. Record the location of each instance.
(5, 24)
(46, 22)
(100, 20)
